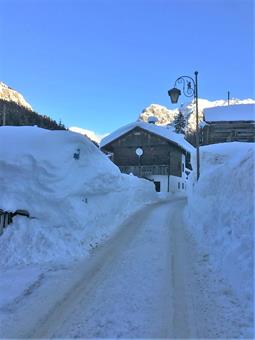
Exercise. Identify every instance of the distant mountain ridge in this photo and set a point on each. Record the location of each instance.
(166, 116)
(20, 112)
(16, 111)
(10, 95)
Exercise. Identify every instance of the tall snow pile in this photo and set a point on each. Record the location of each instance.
(75, 194)
(10, 95)
(166, 116)
(220, 214)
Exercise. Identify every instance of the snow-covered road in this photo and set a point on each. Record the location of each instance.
(126, 290)
(141, 284)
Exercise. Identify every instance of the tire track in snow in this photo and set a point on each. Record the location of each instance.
(133, 286)
(184, 322)
(125, 290)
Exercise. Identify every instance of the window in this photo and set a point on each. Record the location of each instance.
(182, 185)
(179, 185)
(182, 167)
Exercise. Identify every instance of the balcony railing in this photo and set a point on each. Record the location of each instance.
(145, 170)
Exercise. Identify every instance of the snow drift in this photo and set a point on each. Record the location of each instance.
(76, 196)
(220, 214)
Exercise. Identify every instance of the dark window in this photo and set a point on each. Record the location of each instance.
(182, 185)
(179, 185)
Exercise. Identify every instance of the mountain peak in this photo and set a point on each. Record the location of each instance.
(166, 116)
(10, 95)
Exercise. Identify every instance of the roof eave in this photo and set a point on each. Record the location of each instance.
(153, 133)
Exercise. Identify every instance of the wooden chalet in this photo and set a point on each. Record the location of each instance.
(228, 124)
(152, 152)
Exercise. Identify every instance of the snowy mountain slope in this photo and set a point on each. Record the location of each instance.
(163, 114)
(166, 116)
(8, 94)
(220, 215)
(91, 134)
(76, 195)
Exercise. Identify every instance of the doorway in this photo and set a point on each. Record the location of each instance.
(157, 186)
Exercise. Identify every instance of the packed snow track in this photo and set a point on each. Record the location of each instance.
(126, 289)
(140, 284)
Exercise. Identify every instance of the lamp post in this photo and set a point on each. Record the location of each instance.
(190, 89)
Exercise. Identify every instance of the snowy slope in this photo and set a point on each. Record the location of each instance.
(75, 194)
(220, 214)
(8, 94)
(166, 116)
(91, 134)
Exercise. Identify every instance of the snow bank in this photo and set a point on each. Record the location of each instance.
(220, 214)
(75, 194)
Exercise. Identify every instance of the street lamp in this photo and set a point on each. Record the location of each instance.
(190, 89)
(174, 94)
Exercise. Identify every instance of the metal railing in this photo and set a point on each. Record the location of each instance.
(6, 217)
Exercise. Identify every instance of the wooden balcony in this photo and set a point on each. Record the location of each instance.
(145, 170)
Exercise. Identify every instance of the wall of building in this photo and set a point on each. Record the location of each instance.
(156, 151)
(220, 132)
(176, 184)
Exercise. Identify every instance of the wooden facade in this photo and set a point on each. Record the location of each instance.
(160, 155)
(228, 131)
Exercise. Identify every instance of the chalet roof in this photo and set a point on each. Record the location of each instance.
(240, 112)
(161, 131)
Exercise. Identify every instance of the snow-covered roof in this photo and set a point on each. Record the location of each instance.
(165, 132)
(230, 113)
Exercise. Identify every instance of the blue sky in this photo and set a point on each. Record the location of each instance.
(97, 64)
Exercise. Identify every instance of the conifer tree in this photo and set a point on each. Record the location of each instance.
(179, 123)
